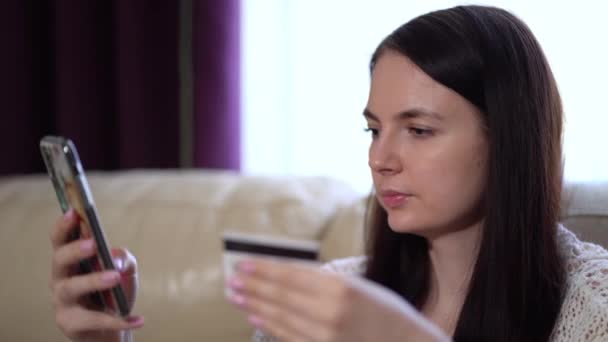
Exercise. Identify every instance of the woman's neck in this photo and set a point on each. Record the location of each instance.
(452, 259)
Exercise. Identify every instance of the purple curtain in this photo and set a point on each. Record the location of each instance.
(105, 73)
(216, 56)
(25, 85)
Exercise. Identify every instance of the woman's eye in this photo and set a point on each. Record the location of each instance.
(420, 132)
(374, 131)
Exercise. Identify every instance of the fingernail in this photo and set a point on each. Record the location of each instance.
(135, 321)
(87, 245)
(246, 266)
(110, 277)
(236, 283)
(255, 321)
(237, 299)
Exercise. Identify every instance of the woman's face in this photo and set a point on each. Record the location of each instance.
(428, 153)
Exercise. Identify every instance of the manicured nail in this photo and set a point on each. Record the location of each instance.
(246, 266)
(237, 300)
(87, 245)
(236, 283)
(135, 321)
(255, 321)
(110, 277)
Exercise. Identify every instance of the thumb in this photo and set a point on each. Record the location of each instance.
(126, 264)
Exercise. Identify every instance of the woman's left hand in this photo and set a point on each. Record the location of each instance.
(294, 302)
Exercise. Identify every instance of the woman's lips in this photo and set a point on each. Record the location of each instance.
(393, 199)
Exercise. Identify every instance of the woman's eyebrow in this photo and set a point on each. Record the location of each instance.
(407, 114)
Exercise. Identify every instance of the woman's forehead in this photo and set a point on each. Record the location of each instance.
(398, 85)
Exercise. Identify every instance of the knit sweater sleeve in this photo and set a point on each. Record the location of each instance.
(584, 313)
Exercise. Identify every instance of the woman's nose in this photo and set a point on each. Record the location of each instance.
(383, 158)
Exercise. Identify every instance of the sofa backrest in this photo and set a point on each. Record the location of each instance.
(585, 210)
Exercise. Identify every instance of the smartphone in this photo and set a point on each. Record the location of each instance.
(72, 189)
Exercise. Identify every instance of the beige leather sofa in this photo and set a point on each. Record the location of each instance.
(172, 221)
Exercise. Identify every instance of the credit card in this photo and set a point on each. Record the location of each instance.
(241, 246)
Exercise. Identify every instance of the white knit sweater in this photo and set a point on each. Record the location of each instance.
(584, 313)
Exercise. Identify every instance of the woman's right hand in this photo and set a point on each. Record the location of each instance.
(75, 314)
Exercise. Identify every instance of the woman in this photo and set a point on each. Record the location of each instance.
(464, 242)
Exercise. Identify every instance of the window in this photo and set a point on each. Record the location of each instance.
(305, 80)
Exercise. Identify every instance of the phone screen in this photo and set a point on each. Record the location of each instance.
(66, 186)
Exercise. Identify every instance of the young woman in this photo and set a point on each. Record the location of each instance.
(464, 242)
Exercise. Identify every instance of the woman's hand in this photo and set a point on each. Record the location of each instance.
(293, 302)
(75, 314)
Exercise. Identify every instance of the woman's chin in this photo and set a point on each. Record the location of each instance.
(400, 225)
(406, 222)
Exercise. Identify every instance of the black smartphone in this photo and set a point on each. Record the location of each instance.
(72, 189)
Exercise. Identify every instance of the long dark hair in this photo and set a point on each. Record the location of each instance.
(492, 59)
